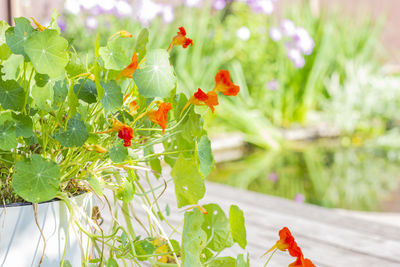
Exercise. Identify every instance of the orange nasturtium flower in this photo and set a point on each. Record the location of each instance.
(180, 39)
(130, 69)
(224, 84)
(200, 98)
(133, 107)
(286, 242)
(38, 25)
(160, 116)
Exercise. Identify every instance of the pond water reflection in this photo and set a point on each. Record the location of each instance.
(325, 173)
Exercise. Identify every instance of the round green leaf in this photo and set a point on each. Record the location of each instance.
(118, 153)
(17, 36)
(23, 125)
(112, 98)
(216, 225)
(75, 135)
(36, 179)
(12, 95)
(194, 239)
(156, 77)
(43, 97)
(12, 67)
(48, 52)
(114, 56)
(41, 79)
(7, 136)
(60, 89)
(205, 156)
(86, 91)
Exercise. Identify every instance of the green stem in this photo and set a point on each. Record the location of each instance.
(127, 217)
(272, 254)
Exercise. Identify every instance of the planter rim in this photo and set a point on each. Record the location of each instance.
(22, 204)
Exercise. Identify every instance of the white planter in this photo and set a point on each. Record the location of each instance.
(21, 244)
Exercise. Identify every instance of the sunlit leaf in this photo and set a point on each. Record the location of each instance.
(114, 56)
(141, 42)
(36, 179)
(189, 185)
(144, 247)
(205, 156)
(125, 191)
(43, 97)
(156, 77)
(48, 52)
(12, 66)
(237, 226)
(118, 153)
(3, 28)
(53, 23)
(194, 239)
(96, 184)
(223, 262)
(216, 225)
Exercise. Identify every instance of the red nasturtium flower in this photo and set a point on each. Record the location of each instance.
(126, 134)
(180, 39)
(200, 98)
(160, 116)
(130, 69)
(124, 131)
(286, 242)
(224, 84)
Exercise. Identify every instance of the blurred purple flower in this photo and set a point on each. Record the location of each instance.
(296, 57)
(192, 3)
(303, 41)
(272, 85)
(273, 177)
(288, 27)
(275, 34)
(262, 6)
(167, 14)
(219, 4)
(91, 23)
(299, 198)
(62, 24)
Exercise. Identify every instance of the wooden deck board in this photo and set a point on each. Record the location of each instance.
(328, 237)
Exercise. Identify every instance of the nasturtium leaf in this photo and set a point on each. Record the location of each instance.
(48, 52)
(7, 136)
(5, 52)
(12, 66)
(43, 97)
(118, 153)
(223, 262)
(141, 42)
(189, 185)
(237, 226)
(12, 95)
(36, 179)
(75, 65)
(96, 184)
(192, 126)
(60, 89)
(112, 263)
(23, 125)
(112, 98)
(114, 56)
(75, 135)
(41, 79)
(144, 247)
(216, 225)
(53, 23)
(205, 156)
(72, 100)
(194, 239)
(67, 264)
(86, 91)
(125, 191)
(3, 28)
(17, 36)
(156, 77)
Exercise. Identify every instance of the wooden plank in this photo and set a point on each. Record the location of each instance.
(326, 236)
(4, 11)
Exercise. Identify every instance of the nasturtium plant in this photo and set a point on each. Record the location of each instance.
(69, 126)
